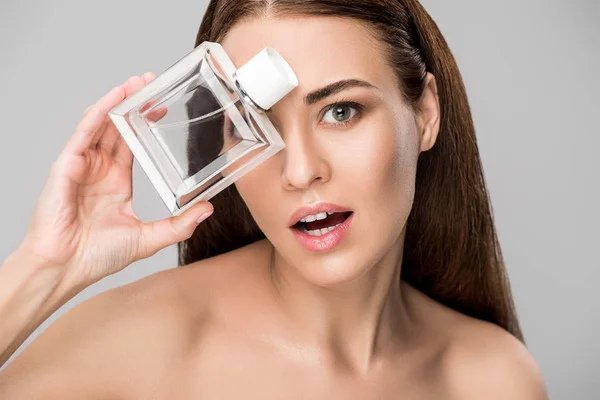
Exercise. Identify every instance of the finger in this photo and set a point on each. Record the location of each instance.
(147, 105)
(148, 76)
(107, 139)
(86, 129)
(87, 110)
(157, 114)
(155, 236)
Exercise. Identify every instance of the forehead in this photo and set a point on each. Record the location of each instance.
(320, 50)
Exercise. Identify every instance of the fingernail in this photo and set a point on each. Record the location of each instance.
(203, 217)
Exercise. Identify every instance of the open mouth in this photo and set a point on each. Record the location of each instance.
(318, 227)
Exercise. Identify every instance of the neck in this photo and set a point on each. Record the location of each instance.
(351, 323)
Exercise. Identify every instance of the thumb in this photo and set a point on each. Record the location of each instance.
(157, 235)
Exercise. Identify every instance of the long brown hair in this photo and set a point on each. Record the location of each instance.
(451, 250)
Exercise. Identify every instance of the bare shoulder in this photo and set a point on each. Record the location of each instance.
(104, 345)
(97, 347)
(485, 361)
(480, 360)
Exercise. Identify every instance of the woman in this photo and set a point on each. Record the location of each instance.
(407, 298)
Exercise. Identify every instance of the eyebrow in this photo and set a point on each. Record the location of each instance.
(319, 94)
(333, 88)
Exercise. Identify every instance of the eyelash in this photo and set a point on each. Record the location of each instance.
(347, 103)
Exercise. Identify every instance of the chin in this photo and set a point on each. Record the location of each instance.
(329, 270)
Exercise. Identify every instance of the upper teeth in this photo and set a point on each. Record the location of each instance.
(316, 217)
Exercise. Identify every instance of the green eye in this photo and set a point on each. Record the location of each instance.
(341, 113)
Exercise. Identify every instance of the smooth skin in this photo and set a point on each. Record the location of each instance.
(272, 320)
(83, 227)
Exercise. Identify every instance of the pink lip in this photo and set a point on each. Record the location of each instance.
(311, 210)
(325, 242)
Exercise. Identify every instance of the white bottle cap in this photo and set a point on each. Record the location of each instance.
(266, 78)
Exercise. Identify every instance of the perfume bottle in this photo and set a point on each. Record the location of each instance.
(201, 124)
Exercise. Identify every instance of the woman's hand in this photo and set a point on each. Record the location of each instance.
(83, 221)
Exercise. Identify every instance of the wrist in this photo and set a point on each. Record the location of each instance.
(33, 287)
(25, 264)
(59, 278)
(70, 278)
(27, 286)
(28, 276)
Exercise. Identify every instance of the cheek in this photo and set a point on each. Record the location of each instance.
(384, 162)
(382, 174)
(249, 188)
(257, 189)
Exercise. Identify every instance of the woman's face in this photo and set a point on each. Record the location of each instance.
(360, 155)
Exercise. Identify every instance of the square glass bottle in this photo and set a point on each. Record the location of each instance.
(201, 125)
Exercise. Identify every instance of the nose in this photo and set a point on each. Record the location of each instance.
(303, 164)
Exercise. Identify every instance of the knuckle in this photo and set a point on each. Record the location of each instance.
(57, 164)
(53, 168)
(88, 109)
(174, 227)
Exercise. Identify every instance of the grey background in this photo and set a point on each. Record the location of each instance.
(531, 71)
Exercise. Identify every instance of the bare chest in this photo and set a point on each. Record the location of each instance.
(239, 375)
